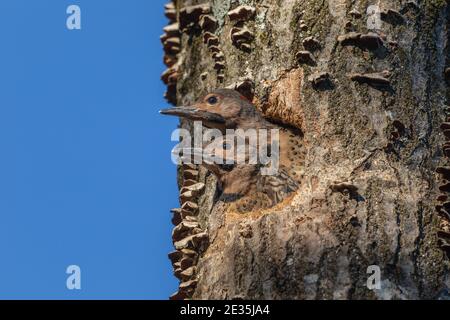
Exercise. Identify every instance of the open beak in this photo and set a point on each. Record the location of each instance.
(192, 113)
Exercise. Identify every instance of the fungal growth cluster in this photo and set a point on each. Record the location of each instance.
(373, 42)
(443, 208)
(241, 36)
(188, 237)
(319, 79)
(171, 43)
(200, 16)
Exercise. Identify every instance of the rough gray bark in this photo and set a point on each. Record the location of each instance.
(370, 107)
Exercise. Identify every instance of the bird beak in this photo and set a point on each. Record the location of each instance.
(192, 113)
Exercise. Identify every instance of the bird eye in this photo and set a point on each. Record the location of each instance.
(212, 100)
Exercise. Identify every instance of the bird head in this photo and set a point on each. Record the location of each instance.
(220, 109)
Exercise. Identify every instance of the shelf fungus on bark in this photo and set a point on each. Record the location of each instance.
(219, 65)
(176, 218)
(177, 269)
(321, 81)
(189, 166)
(170, 60)
(410, 6)
(349, 26)
(214, 49)
(170, 75)
(190, 16)
(241, 36)
(369, 41)
(178, 296)
(187, 262)
(446, 134)
(185, 291)
(185, 229)
(198, 187)
(189, 182)
(444, 241)
(175, 256)
(393, 17)
(188, 273)
(189, 253)
(197, 242)
(346, 188)
(305, 57)
(242, 13)
(191, 192)
(208, 23)
(445, 187)
(210, 39)
(172, 30)
(343, 187)
(246, 87)
(303, 26)
(445, 172)
(170, 11)
(355, 13)
(311, 44)
(443, 210)
(190, 206)
(218, 56)
(446, 149)
(220, 76)
(172, 45)
(188, 287)
(377, 80)
(190, 174)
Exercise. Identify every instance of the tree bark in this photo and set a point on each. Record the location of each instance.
(370, 105)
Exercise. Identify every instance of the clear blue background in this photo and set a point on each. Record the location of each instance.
(85, 170)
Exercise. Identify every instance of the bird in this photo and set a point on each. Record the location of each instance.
(244, 186)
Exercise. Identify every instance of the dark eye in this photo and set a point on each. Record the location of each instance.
(212, 100)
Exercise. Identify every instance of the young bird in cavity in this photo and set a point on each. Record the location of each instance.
(243, 185)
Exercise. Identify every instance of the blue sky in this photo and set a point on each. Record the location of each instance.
(85, 170)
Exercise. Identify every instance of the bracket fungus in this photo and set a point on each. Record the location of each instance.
(218, 56)
(190, 174)
(176, 219)
(185, 229)
(240, 36)
(242, 13)
(311, 44)
(376, 80)
(190, 15)
(321, 81)
(210, 39)
(369, 41)
(193, 242)
(189, 206)
(355, 13)
(305, 57)
(172, 30)
(393, 17)
(214, 49)
(170, 11)
(208, 22)
(188, 274)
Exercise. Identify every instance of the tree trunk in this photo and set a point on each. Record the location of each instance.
(370, 97)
